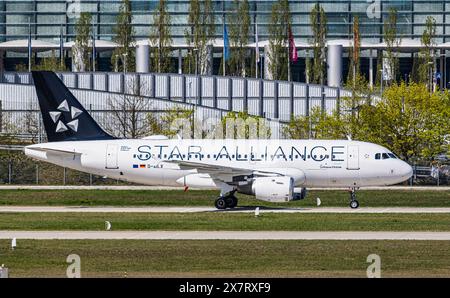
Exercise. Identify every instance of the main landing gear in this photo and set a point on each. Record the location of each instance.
(354, 204)
(228, 201)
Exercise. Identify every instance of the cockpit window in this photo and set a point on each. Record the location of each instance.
(389, 155)
(379, 156)
(392, 155)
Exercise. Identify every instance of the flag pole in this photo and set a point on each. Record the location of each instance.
(93, 47)
(289, 53)
(61, 46)
(256, 49)
(224, 45)
(29, 45)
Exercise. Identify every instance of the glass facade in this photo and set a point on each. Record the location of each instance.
(47, 17)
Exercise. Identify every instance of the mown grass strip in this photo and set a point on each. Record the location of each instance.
(117, 258)
(338, 198)
(210, 221)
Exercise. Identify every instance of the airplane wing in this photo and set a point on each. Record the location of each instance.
(225, 173)
(210, 169)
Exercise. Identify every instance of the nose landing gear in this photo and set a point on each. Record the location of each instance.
(354, 204)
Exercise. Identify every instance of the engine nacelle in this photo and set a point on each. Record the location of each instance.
(273, 189)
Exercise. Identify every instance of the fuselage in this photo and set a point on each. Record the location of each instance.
(322, 163)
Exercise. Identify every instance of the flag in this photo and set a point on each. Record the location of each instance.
(256, 43)
(355, 44)
(292, 48)
(226, 43)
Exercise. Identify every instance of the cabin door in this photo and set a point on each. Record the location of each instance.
(112, 158)
(353, 157)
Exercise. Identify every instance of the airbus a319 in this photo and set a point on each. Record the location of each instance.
(271, 170)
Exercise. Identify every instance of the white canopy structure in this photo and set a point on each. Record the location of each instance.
(22, 45)
(100, 45)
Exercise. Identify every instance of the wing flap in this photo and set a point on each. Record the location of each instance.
(209, 168)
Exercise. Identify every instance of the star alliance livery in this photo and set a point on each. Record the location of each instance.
(271, 170)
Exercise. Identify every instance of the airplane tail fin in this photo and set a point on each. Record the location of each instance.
(65, 119)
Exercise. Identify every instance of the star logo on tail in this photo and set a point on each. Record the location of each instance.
(64, 108)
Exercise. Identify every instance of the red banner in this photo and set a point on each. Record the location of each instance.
(292, 48)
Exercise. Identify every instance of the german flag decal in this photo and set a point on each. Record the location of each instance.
(139, 166)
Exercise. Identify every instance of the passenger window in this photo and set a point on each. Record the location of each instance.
(385, 156)
(378, 156)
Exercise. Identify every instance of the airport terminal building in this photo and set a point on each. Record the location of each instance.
(52, 27)
(49, 18)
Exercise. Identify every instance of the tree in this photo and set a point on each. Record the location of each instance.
(200, 33)
(82, 39)
(242, 125)
(407, 120)
(239, 37)
(317, 125)
(308, 68)
(356, 82)
(50, 63)
(318, 22)
(161, 39)
(426, 57)
(392, 40)
(280, 22)
(124, 36)
(177, 121)
(129, 113)
(354, 54)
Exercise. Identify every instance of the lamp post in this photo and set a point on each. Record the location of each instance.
(197, 92)
(116, 66)
(431, 76)
(261, 55)
(382, 77)
(125, 62)
(124, 99)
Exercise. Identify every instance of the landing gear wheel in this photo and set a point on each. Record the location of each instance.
(231, 201)
(354, 204)
(221, 203)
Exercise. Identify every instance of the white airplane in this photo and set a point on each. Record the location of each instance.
(271, 170)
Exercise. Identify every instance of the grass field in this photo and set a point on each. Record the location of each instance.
(367, 198)
(117, 258)
(217, 258)
(226, 221)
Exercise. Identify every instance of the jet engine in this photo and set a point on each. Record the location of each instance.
(273, 189)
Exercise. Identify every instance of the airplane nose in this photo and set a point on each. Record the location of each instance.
(406, 170)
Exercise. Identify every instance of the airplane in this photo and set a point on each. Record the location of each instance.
(271, 170)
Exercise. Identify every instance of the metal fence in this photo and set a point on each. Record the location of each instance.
(30, 172)
(438, 175)
(213, 96)
(272, 99)
(25, 171)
